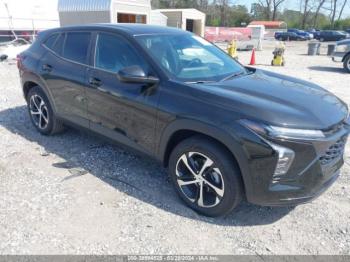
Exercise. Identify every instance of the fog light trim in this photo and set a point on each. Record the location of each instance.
(285, 159)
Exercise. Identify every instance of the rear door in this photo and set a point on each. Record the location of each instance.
(125, 112)
(64, 68)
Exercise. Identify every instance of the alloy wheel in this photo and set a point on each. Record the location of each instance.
(39, 111)
(199, 179)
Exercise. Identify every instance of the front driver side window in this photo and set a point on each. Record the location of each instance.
(114, 53)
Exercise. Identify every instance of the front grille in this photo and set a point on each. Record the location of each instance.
(333, 152)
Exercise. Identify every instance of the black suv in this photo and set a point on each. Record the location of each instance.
(331, 36)
(225, 131)
(289, 36)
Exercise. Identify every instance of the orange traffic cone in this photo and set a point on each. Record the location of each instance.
(252, 59)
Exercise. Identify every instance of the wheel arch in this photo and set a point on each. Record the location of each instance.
(27, 86)
(179, 130)
(345, 56)
(30, 80)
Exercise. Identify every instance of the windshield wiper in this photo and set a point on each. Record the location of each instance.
(233, 75)
(200, 82)
(226, 78)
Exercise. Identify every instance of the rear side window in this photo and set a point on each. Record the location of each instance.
(50, 41)
(76, 46)
(58, 45)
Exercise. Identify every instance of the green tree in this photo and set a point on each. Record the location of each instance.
(312, 14)
(238, 15)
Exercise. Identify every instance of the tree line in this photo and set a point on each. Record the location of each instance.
(320, 14)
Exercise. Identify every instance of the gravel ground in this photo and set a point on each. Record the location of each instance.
(76, 194)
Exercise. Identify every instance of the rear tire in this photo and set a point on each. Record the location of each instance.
(205, 176)
(41, 113)
(347, 63)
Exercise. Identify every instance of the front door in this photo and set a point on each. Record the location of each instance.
(125, 112)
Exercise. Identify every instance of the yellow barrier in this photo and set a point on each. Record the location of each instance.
(232, 49)
(278, 56)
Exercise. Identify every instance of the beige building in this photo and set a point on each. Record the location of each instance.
(74, 12)
(187, 19)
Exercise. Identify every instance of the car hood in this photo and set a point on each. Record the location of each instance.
(279, 100)
(344, 42)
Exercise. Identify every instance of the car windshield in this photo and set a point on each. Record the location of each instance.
(190, 58)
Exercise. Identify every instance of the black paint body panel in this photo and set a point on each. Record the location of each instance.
(145, 117)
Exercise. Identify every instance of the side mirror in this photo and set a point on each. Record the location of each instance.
(135, 74)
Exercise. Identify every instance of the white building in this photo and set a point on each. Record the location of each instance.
(74, 12)
(187, 19)
(157, 18)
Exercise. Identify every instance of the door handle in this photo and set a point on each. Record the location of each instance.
(95, 82)
(47, 67)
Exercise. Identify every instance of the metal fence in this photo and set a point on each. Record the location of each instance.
(27, 28)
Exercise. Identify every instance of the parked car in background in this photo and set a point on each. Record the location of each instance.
(226, 132)
(330, 35)
(342, 53)
(313, 31)
(8, 36)
(289, 36)
(307, 35)
(10, 50)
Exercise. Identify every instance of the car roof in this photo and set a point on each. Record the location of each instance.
(131, 29)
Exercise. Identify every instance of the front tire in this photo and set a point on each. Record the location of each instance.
(347, 63)
(41, 113)
(206, 176)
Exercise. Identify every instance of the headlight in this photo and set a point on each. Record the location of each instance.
(342, 48)
(282, 132)
(285, 155)
(347, 120)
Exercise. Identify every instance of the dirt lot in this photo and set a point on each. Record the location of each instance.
(75, 194)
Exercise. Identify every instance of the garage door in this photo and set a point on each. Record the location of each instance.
(131, 18)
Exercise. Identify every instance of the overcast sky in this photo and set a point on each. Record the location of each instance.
(291, 4)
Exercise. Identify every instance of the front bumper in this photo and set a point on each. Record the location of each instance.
(314, 169)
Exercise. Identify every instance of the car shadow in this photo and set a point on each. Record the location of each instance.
(137, 176)
(339, 70)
